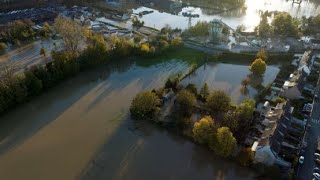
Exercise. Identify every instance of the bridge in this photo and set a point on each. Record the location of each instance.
(236, 33)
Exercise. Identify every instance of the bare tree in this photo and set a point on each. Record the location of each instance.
(245, 82)
(71, 32)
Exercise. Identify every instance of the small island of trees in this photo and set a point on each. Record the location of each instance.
(223, 125)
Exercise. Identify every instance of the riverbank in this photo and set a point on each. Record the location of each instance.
(189, 55)
(40, 78)
(81, 129)
(274, 58)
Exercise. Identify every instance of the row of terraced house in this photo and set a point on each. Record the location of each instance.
(282, 118)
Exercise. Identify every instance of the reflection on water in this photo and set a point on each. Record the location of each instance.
(82, 129)
(249, 17)
(228, 77)
(151, 153)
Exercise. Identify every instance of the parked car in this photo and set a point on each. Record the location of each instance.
(301, 159)
(316, 170)
(317, 162)
(316, 175)
(317, 155)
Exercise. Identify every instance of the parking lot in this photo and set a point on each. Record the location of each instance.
(38, 15)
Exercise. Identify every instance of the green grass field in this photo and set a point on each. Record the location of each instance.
(188, 55)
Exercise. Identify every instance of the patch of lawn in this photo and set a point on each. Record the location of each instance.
(185, 54)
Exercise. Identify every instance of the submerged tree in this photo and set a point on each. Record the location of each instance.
(245, 82)
(203, 130)
(192, 88)
(262, 54)
(186, 101)
(218, 102)
(246, 109)
(258, 67)
(231, 120)
(225, 142)
(204, 92)
(145, 105)
(245, 157)
(173, 81)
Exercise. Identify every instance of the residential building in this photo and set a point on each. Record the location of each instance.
(269, 120)
(315, 43)
(278, 135)
(293, 87)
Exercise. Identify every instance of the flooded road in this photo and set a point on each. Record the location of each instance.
(82, 130)
(28, 54)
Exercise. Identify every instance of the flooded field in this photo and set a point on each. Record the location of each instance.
(82, 130)
(248, 16)
(228, 77)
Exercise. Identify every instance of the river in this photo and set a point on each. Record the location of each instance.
(82, 130)
(249, 16)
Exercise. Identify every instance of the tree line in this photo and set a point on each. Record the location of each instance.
(283, 24)
(21, 30)
(16, 88)
(222, 127)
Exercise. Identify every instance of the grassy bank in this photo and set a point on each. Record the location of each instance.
(245, 58)
(185, 54)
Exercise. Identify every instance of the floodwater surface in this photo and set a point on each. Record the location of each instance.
(248, 16)
(228, 77)
(82, 130)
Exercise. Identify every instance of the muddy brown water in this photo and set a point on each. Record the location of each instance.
(81, 130)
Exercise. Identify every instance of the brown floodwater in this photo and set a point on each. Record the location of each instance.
(82, 130)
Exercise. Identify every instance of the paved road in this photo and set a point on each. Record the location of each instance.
(305, 170)
(202, 48)
(29, 54)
